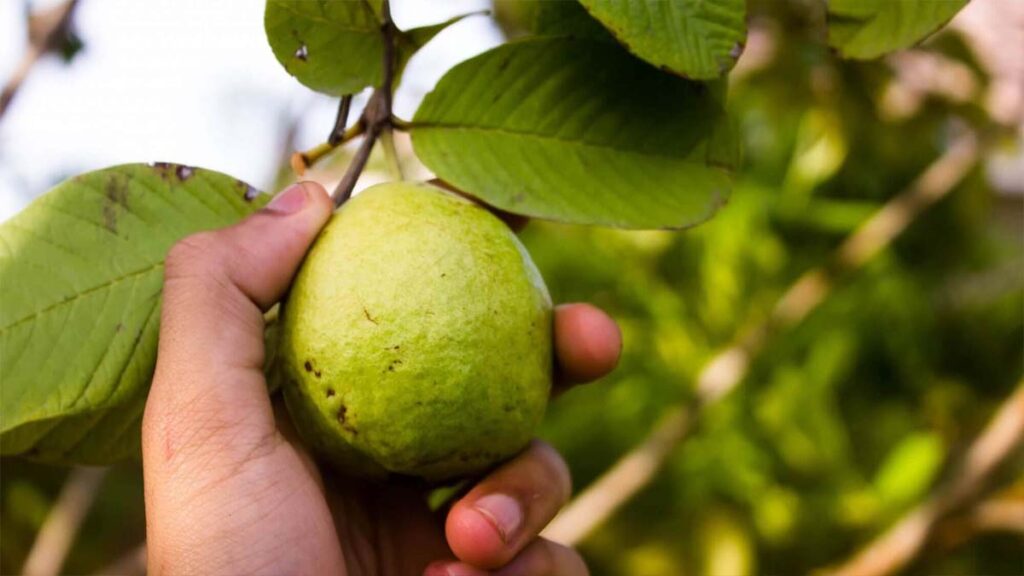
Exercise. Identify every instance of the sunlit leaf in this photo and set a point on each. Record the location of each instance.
(866, 29)
(82, 271)
(580, 131)
(700, 39)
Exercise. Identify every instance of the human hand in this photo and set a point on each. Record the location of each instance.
(228, 488)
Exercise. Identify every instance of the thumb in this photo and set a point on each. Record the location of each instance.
(216, 286)
(261, 254)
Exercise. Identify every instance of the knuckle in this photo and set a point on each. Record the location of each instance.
(194, 256)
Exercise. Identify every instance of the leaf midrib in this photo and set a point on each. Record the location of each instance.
(549, 137)
(70, 300)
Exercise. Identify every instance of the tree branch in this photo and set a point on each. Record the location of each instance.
(39, 43)
(899, 545)
(724, 372)
(61, 525)
(376, 116)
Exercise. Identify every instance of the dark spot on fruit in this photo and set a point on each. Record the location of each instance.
(330, 392)
(443, 274)
(343, 420)
(393, 364)
(368, 317)
(308, 365)
(508, 407)
(316, 373)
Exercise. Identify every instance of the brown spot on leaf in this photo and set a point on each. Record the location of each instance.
(184, 172)
(302, 53)
(163, 169)
(116, 200)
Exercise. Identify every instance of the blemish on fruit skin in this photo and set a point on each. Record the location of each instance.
(330, 393)
(343, 420)
(367, 314)
(308, 366)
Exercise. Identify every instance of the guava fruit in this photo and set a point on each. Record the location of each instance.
(416, 337)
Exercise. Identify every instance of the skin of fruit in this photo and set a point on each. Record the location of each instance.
(416, 337)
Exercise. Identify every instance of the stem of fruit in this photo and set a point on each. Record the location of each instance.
(376, 117)
(301, 161)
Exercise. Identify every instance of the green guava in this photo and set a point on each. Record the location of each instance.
(416, 337)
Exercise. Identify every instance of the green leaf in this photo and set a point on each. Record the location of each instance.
(699, 39)
(331, 47)
(378, 9)
(82, 272)
(546, 18)
(336, 47)
(413, 39)
(865, 29)
(578, 130)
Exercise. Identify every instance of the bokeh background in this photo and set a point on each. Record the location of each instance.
(840, 425)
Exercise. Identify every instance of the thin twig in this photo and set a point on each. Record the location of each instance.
(301, 161)
(340, 121)
(728, 368)
(40, 43)
(899, 545)
(376, 116)
(61, 525)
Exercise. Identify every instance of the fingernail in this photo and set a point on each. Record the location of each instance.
(503, 512)
(290, 201)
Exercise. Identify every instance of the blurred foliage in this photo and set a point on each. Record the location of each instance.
(844, 421)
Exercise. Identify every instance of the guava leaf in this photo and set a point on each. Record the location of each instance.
(546, 18)
(331, 47)
(410, 41)
(336, 47)
(578, 130)
(82, 271)
(698, 39)
(865, 29)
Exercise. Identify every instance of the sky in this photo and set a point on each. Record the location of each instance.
(188, 81)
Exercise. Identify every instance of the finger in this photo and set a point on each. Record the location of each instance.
(540, 558)
(209, 375)
(508, 508)
(587, 344)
